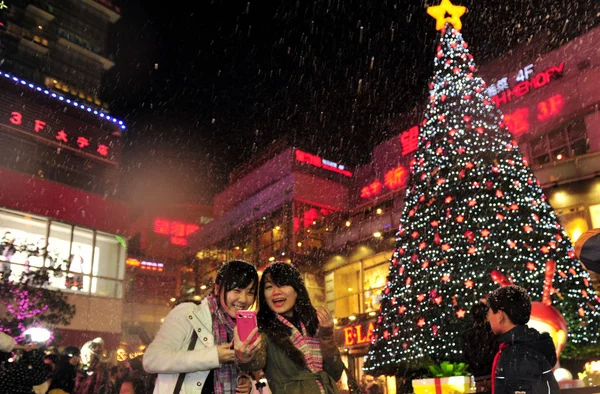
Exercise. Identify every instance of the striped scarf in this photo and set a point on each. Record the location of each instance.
(226, 376)
(309, 346)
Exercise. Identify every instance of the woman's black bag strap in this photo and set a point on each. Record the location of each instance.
(182, 375)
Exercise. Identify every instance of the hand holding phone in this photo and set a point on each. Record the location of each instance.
(246, 322)
(246, 341)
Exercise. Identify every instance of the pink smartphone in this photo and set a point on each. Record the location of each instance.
(246, 322)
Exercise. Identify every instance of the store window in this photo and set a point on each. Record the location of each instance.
(566, 141)
(346, 292)
(357, 287)
(22, 244)
(595, 215)
(90, 262)
(374, 283)
(574, 221)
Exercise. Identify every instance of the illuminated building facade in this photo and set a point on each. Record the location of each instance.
(277, 210)
(160, 266)
(60, 152)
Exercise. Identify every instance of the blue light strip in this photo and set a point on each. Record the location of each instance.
(100, 114)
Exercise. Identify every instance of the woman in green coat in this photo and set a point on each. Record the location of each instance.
(297, 353)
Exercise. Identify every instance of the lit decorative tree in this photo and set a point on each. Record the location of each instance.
(475, 217)
(29, 302)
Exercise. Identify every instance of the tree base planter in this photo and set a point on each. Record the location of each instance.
(449, 385)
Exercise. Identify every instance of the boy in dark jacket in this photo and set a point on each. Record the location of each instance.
(523, 365)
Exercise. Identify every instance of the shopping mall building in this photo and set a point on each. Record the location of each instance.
(338, 224)
(60, 151)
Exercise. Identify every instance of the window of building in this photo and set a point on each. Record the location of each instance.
(357, 287)
(91, 262)
(574, 221)
(566, 141)
(374, 283)
(346, 290)
(595, 215)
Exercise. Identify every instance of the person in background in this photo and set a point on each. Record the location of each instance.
(20, 372)
(210, 364)
(371, 386)
(51, 360)
(65, 374)
(480, 347)
(7, 251)
(297, 351)
(525, 359)
(132, 385)
(94, 378)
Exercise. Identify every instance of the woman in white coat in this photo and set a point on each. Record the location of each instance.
(209, 367)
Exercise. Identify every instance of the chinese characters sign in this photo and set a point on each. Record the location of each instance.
(502, 93)
(409, 140)
(518, 121)
(56, 133)
(178, 231)
(316, 161)
(393, 179)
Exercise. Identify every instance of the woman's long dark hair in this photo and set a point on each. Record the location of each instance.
(236, 274)
(283, 274)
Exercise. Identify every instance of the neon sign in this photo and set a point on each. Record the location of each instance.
(145, 265)
(409, 139)
(358, 335)
(393, 179)
(178, 231)
(316, 161)
(53, 132)
(518, 120)
(501, 93)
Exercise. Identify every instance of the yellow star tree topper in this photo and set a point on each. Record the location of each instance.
(447, 12)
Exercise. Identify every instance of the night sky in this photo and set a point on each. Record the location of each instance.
(326, 76)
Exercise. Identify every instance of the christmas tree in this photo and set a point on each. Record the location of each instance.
(474, 218)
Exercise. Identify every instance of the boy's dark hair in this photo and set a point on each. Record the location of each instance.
(512, 300)
(236, 274)
(138, 384)
(284, 274)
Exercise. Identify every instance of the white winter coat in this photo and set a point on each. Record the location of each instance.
(168, 356)
(7, 343)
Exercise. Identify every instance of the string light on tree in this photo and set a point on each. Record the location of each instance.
(474, 218)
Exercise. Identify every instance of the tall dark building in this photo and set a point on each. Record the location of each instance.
(60, 153)
(59, 44)
(53, 59)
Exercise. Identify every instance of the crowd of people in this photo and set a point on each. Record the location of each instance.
(31, 368)
(198, 348)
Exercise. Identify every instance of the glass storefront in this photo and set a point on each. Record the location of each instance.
(92, 262)
(356, 287)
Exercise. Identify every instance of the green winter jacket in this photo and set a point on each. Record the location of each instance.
(285, 367)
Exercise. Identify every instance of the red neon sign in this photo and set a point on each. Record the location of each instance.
(371, 190)
(551, 107)
(178, 231)
(393, 179)
(354, 335)
(59, 135)
(316, 161)
(539, 80)
(518, 120)
(409, 139)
